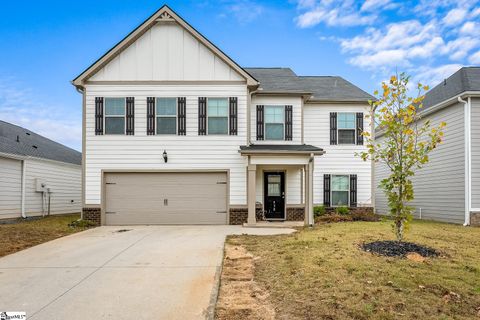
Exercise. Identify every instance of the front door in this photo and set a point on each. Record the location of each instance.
(274, 192)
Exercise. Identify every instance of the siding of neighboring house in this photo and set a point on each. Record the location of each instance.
(63, 179)
(338, 159)
(439, 186)
(187, 152)
(475, 136)
(295, 102)
(10, 187)
(166, 52)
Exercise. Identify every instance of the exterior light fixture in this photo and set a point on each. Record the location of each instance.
(165, 156)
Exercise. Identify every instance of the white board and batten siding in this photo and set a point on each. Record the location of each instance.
(144, 152)
(440, 186)
(167, 52)
(338, 159)
(63, 179)
(475, 142)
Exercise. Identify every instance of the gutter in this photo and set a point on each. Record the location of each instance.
(468, 159)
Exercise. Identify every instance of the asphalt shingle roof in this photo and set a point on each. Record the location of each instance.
(23, 142)
(465, 79)
(322, 88)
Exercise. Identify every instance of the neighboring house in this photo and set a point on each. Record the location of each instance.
(176, 132)
(37, 176)
(448, 187)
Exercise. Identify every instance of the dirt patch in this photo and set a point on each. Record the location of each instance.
(397, 249)
(240, 297)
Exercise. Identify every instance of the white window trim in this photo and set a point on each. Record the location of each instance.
(115, 116)
(265, 122)
(331, 189)
(166, 116)
(228, 117)
(354, 130)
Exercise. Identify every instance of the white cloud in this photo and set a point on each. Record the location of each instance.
(371, 5)
(455, 16)
(432, 76)
(244, 11)
(475, 58)
(470, 27)
(22, 107)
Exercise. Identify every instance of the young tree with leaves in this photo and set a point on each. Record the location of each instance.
(406, 142)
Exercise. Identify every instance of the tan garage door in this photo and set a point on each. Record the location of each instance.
(166, 198)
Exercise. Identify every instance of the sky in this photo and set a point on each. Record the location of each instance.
(46, 44)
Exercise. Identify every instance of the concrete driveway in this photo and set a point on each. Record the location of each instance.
(147, 272)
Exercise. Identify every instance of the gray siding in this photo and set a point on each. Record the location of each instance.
(475, 153)
(10, 187)
(440, 185)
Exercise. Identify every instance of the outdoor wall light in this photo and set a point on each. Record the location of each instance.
(165, 156)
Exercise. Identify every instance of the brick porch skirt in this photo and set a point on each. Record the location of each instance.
(239, 216)
(92, 215)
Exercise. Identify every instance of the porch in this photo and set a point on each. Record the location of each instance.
(280, 183)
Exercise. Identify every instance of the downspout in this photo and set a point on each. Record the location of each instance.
(467, 159)
(249, 115)
(24, 172)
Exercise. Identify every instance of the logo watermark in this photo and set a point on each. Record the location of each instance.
(13, 315)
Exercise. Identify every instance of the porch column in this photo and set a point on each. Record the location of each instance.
(309, 193)
(251, 194)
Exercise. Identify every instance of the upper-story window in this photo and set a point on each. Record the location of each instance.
(346, 127)
(166, 114)
(217, 114)
(274, 122)
(115, 115)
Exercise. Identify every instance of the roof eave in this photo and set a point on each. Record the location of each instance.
(278, 152)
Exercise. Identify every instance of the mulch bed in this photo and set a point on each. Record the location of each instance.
(398, 249)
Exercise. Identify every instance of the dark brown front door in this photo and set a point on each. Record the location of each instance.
(274, 192)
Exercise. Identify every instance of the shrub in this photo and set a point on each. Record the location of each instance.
(318, 211)
(342, 210)
(82, 224)
(370, 216)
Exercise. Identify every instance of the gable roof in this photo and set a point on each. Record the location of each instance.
(23, 142)
(465, 79)
(167, 15)
(320, 88)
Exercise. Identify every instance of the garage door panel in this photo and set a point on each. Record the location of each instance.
(166, 198)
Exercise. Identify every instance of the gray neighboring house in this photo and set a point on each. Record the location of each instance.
(448, 188)
(37, 175)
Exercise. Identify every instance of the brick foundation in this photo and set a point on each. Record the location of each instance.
(295, 214)
(475, 219)
(362, 210)
(92, 214)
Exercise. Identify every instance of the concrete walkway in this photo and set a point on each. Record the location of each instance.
(147, 272)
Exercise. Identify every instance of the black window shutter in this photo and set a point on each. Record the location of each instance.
(359, 128)
(181, 118)
(130, 116)
(202, 116)
(333, 128)
(353, 190)
(98, 116)
(150, 116)
(233, 116)
(260, 122)
(288, 123)
(326, 190)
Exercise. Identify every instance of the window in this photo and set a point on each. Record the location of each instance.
(217, 113)
(114, 115)
(346, 128)
(340, 190)
(166, 113)
(274, 122)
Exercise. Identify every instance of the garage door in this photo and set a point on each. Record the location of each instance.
(166, 198)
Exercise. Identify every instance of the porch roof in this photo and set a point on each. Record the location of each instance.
(305, 149)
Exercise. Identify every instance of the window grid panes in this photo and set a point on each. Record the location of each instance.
(217, 113)
(166, 113)
(340, 186)
(274, 122)
(114, 116)
(346, 124)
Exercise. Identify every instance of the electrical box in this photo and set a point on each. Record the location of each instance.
(41, 186)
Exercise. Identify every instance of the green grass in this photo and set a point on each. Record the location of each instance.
(322, 273)
(24, 234)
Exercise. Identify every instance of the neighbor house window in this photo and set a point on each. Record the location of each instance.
(274, 122)
(346, 128)
(114, 115)
(340, 190)
(217, 114)
(166, 113)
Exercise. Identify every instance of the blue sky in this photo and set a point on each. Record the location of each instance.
(45, 44)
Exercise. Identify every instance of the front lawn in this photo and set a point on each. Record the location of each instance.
(323, 274)
(24, 234)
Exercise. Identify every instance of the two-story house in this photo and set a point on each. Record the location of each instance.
(176, 132)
